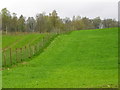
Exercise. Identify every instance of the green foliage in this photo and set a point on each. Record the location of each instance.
(21, 24)
(5, 19)
(97, 22)
(81, 59)
(30, 24)
(14, 23)
(51, 23)
(109, 23)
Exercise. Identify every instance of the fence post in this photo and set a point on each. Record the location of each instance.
(38, 47)
(25, 52)
(33, 50)
(29, 52)
(4, 54)
(16, 56)
(11, 56)
(21, 53)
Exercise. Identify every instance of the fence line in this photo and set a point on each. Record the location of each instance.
(11, 57)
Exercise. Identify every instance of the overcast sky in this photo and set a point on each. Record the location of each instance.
(64, 8)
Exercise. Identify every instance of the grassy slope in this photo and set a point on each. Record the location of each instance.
(80, 59)
(8, 40)
(18, 41)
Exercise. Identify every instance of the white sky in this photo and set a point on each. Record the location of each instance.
(64, 8)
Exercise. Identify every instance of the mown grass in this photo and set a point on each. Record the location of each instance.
(81, 59)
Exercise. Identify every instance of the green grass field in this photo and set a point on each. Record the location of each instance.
(19, 41)
(26, 45)
(80, 59)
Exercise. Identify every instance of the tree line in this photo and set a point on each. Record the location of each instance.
(51, 23)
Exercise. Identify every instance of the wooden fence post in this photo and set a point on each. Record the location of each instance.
(25, 52)
(38, 47)
(11, 56)
(21, 54)
(16, 55)
(29, 52)
(33, 50)
(4, 54)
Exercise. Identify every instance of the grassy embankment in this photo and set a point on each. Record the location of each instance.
(81, 59)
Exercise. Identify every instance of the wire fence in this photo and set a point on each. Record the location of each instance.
(13, 56)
